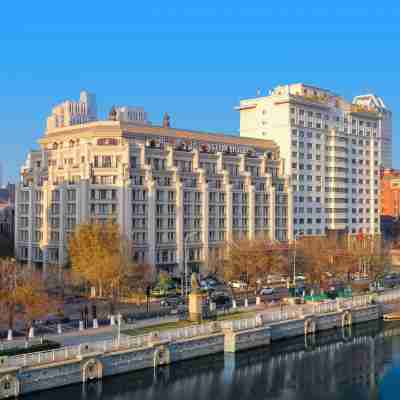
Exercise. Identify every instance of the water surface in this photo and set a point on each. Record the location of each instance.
(361, 363)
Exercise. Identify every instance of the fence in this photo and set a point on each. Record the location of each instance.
(389, 297)
(241, 324)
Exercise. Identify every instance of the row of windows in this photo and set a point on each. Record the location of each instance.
(103, 194)
(317, 135)
(301, 221)
(318, 124)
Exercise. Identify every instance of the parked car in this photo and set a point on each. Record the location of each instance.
(222, 300)
(172, 301)
(273, 279)
(238, 284)
(265, 291)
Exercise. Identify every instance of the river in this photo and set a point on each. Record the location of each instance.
(360, 363)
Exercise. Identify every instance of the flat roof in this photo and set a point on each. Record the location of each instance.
(126, 129)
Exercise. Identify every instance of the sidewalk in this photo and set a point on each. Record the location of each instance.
(74, 337)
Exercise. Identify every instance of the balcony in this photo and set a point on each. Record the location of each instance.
(364, 110)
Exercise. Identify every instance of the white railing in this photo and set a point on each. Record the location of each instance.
(281, 315)
(389, 297)
(240, 324)
(190, 331)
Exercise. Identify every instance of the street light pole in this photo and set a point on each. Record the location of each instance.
(185, 260)
(294, 256)
(119, 321)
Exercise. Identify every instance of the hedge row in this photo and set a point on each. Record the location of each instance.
(46, 345)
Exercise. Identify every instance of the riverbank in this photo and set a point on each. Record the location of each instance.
(333, 368)
(94, 361)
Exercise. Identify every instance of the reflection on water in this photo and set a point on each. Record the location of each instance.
(362, 362)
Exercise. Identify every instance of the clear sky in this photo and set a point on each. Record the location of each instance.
(195, 62)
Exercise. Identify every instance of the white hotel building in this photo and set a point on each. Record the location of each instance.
(166, 188)
(333, 150)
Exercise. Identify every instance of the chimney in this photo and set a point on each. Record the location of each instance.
(166, 121)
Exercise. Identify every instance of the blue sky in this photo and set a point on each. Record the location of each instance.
(195, 62)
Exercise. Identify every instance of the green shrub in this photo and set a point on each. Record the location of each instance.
(46, 345)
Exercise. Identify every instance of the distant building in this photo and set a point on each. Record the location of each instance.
(7, 210)
(73, 112)
(135, 115)
(390, 203)
(390, 193)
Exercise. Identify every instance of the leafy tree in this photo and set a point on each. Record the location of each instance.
(164, 282)
(10, 279)
(138, 277)
(22, 293)
(98, 256)
(251, 260)
(33, 299)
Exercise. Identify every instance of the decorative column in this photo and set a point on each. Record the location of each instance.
(63, 216)
(229, 207)
(272, 203)
(252, 212)
(179, 224)
(30, 225)
(151, 218)
(289, 190)
(204, 212)
(46, 226)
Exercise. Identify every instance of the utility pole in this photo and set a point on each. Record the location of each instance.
(294, 256)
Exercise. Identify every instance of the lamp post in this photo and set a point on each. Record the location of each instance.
(300, 233)
(247, 275)
(119, 321)
(185, 260)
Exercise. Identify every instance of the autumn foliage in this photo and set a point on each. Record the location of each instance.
(96, 255)
(22, 294)
(250, 260)
(101, 257)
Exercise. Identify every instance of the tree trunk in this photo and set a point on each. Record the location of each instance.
(100, 289)
(11, 310)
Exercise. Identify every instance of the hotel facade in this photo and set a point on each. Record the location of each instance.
(333, 149)
(176, 194)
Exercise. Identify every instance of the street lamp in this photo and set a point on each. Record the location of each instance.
(300, 233)
(185, 260)
(247, 274)
(119, 321)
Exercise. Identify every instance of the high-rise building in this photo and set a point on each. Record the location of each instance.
(135, 115)
(333, 151)
(73, 112)
(169, 189)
